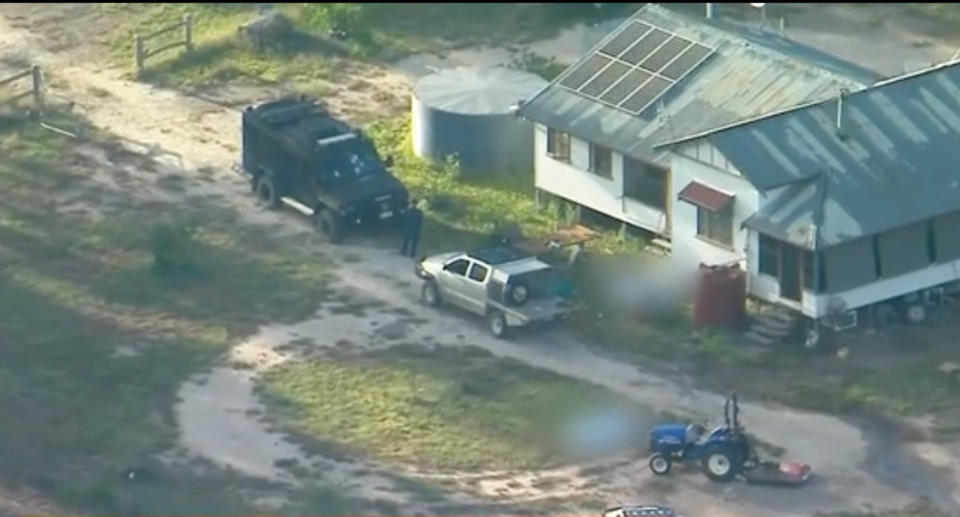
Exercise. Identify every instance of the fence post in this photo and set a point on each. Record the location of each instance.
(188, 31)
(38, 89)
(138, 54)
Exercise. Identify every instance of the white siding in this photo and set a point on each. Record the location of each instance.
(573, 181)
(705, 164)
(690, 250)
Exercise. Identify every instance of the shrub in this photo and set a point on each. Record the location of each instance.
(173, 247)
(546, 67)
(346, 21)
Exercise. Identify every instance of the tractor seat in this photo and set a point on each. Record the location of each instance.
(695, 432)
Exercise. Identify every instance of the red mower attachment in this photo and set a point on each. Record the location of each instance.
(784, 473)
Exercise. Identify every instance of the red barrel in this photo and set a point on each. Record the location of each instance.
(720, 297)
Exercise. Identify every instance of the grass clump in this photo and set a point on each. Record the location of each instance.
(441, 408)
(173, 247)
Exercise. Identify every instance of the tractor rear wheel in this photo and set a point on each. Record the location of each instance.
(660, 464)
(720, 464)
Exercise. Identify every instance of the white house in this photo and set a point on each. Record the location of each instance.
(840, 209)
(659, 76)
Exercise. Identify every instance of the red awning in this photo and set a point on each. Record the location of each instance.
(704, 196)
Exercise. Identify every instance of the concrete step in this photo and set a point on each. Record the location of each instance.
(779, 315)
(758, 338)
(662, 243)
(773, 326)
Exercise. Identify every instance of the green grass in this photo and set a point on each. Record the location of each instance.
(441, 408)
(74, 292)
(220, 57)
(913, 388)
(309, 62)
(463, 211)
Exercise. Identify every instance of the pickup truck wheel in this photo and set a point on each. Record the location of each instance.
(430, 294)
(518, 294)
(267, 193)
(498, 324)
(329, 225)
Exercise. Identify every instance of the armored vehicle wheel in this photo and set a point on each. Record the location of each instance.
(430, 293)
(329, 225)
(498, 324)
(660, 464)
(719, 464)
(267, 193)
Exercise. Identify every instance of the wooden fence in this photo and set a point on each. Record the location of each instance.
(35, 75)
(141, 50)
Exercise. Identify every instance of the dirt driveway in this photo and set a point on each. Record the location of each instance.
(857, 466)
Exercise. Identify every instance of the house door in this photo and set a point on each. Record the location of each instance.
(790, 273)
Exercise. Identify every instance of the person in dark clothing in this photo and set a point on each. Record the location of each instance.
(412, 222)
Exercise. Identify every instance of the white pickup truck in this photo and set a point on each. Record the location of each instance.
(509, 287)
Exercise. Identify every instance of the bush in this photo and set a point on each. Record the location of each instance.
(345, 21)
(174, 248)
(546, 67)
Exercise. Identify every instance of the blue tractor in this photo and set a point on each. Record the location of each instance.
(723, 453)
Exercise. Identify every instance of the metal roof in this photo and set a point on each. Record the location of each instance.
(477, 90)
(751, 73)
(893, 163)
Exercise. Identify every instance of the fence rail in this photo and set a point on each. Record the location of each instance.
(35, 74)
(141, 51)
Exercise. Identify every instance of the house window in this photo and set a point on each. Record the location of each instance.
(601, 161)
(645, 182)
(808, 271)
(716, 226)
(558, 145)
(877, 264)
(769, 256)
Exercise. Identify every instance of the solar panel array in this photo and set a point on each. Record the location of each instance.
(635, 67)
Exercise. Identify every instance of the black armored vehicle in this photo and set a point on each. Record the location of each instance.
(297, 154)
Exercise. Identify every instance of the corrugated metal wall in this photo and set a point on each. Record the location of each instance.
(484, 143)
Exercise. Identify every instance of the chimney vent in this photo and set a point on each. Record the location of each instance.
(709, 11)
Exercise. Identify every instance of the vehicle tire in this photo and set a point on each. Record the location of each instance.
(518, 294)
(660, 464)
(266, 191)
(719, 464)
(498, 324)
(329, 225)
(430, 294)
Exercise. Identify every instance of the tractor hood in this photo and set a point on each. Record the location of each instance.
(669, 434)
